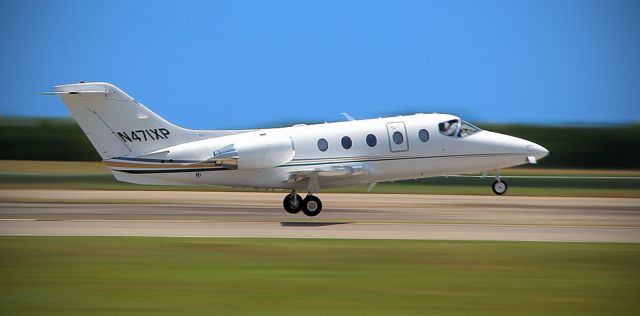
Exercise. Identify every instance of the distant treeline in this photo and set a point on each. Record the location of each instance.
(571, 147)
(613, 147)
(44, 139)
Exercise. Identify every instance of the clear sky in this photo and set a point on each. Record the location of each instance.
(236, 64)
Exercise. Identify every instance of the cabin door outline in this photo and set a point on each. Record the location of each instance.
(400, 127)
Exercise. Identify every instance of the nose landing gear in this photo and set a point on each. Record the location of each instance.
(293, 203)
(499, 187)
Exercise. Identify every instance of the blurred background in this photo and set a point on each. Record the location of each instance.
(564, 74)
(571, 146)
(255, 63)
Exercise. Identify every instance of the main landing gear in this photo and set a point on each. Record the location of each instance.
(294, 203)
(499, 187)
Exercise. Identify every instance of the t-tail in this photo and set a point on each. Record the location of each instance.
(116, 124)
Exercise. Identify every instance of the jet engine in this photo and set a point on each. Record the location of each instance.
(248, 151)
(255, 153)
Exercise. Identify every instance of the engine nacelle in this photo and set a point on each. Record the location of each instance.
(248, 151)
(264, 151)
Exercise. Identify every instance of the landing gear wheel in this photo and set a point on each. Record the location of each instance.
(499, 187)
(292, 203)
(311, 205)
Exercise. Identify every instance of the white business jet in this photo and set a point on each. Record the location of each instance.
(141, 147)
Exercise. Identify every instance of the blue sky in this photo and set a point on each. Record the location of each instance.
(235, 64)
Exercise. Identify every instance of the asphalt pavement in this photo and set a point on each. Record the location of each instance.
(371, 216)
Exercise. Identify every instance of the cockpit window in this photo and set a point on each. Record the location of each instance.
(457, 128)
(467, 129)
(449, 128)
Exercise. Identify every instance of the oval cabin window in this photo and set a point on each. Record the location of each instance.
(346, 142)
(323, 145)
(372, 140)
(398, 138)
(423, 134)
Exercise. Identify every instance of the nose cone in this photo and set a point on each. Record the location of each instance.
(537, 151)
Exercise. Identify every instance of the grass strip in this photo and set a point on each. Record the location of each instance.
(140, 275)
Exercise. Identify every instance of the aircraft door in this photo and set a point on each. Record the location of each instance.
(397, 133)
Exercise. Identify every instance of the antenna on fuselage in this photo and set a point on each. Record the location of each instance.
(347, 116)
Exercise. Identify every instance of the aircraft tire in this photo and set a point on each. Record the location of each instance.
(499, 187)
(311, 205)
(289, 207)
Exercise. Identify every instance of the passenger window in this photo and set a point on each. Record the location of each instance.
(398, 138)
(372, 140)
(323, 145)
(423, 134)
(346, 142)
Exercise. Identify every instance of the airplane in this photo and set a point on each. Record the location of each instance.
(141, 147)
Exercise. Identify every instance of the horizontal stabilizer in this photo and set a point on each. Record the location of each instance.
(70, 92)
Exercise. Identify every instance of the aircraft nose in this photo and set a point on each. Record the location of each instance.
(537, 151)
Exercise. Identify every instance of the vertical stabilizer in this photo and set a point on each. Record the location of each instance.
(115, 123)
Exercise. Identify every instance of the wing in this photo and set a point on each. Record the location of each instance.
(327, 176)
(330, 172)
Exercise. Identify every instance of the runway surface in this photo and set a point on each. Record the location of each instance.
(374, 216)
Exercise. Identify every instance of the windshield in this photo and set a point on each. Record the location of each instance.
(457, 128)
(467, 129)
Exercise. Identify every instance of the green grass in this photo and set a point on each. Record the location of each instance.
(521, 187)
(439, 185)
(139, 276)
(16, 174)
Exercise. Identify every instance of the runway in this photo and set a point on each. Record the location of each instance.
(369, 216)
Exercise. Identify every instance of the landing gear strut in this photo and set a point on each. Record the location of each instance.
(294, 203)
(499, 187)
